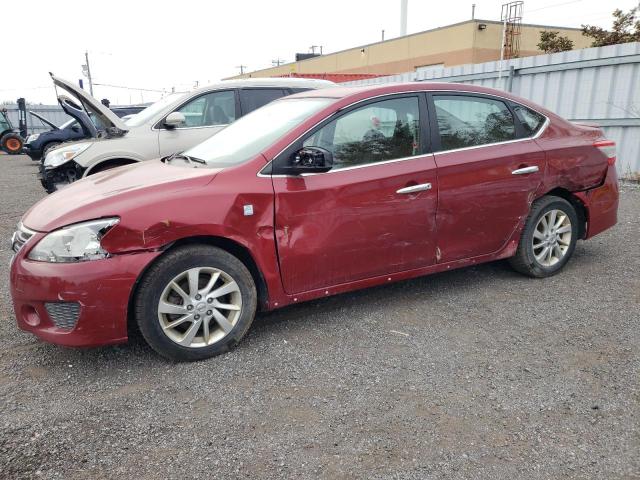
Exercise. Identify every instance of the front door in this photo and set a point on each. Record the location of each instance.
(488, 174)
(204, 116)
(373, 213)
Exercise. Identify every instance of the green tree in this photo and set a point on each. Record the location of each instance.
(553, 42)
(626, 28)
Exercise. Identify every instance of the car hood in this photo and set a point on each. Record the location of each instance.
(44, 120)
(110, 193)
(106, 116)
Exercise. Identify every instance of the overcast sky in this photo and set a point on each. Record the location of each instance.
(158, 45)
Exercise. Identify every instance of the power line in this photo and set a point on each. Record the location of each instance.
(130, 88)
(553, 6)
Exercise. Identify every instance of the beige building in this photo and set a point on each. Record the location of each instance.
(473, 41)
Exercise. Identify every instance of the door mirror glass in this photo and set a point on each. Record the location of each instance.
(174, 119)
(310, 160)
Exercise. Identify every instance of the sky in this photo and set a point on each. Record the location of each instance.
(160, 45)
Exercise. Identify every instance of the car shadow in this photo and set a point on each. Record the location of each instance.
(137, 354)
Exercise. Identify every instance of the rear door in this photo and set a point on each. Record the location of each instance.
(488, 173)
(204, 115)
(374, 212)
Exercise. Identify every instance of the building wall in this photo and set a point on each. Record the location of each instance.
(452, 45)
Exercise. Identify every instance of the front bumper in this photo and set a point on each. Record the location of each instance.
(33, 153)
(101, 289)
(54, 178)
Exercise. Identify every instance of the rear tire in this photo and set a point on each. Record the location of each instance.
(548, 239)
(181, 309)
(12, 143)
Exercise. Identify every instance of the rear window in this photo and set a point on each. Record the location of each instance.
(531, 121)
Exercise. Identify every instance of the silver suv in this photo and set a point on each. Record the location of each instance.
(171, 125)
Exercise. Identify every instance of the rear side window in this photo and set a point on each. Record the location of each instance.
(531, 121)
(472, 121)
(250, 99)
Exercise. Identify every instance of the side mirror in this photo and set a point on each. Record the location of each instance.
(310, 160)
(174, 119)
(75, 128)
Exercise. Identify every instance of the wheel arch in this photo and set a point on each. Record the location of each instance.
(577, 204)
(234, 248)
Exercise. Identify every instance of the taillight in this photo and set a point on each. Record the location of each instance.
(608, 147)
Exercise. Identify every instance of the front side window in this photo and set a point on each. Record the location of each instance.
(376, 132)
(252, 98)
(472, 121)
(216, 108)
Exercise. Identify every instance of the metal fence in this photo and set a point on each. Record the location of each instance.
(595, 85)
(53, 113)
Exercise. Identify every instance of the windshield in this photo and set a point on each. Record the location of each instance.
(247, 137)
(148, 113)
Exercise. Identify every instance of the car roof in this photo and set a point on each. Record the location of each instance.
(347, 94)
(267, 82)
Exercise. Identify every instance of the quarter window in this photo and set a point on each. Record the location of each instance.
(471, 121)
(216, 108)
(253, 98)
(385, 130)
(531, 121)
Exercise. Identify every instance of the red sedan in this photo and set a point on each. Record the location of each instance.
(315, 194)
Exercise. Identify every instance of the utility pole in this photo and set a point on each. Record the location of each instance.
(277, 62)
(241, 67)
(86, 69)
(383, 34)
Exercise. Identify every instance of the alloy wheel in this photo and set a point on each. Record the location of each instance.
(551, 238)
(199, 307)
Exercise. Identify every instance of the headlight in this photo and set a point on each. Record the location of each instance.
(75, 243)
(32, 138)
(63, 154)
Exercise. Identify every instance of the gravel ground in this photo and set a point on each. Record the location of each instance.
(475, 373)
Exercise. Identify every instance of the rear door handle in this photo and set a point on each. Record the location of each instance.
(525, 170)
(415, 188)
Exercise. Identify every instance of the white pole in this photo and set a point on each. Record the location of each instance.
(404, 5)
(504, 34)
(86, 56)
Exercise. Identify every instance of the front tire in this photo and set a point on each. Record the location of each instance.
(48, 147)
(548, 239)
(196, 302)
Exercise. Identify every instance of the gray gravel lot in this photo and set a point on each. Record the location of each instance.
(475, 373)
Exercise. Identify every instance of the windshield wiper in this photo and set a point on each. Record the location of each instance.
(187, 158)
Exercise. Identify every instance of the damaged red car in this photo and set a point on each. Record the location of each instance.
(314, 194)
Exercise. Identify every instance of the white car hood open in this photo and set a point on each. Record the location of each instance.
(107, 117)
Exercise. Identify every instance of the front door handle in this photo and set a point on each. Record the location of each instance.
(525, 170)
(415, 188)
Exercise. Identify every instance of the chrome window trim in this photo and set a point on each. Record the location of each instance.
(192, 128)
(506, 142)
(433, 92)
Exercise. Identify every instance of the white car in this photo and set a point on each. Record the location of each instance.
(171, 125)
